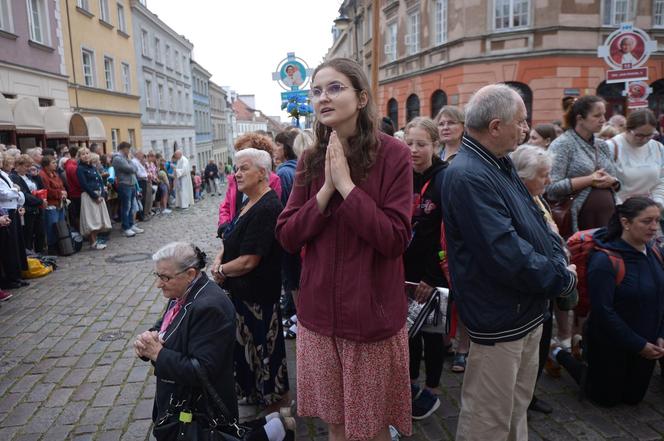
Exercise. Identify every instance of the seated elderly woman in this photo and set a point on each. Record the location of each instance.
(198, 325)
(249, 268)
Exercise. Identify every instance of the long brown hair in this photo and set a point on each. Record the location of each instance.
(362, 146)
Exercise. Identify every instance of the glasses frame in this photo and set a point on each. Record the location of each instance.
(164, 278)
(325, 91)
(641, 136)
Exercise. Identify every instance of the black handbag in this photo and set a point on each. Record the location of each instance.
(184, 422)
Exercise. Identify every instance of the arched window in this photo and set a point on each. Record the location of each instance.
(527, 95)
(412, 107)
(393, 112)
(612, 94)
(438, 101)
(656, 98)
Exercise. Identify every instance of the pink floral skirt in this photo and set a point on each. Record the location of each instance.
(364, 386)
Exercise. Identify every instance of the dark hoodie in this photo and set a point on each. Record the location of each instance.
(632, 313)
(421, 260)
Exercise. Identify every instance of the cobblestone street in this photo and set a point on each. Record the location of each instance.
(67, 369)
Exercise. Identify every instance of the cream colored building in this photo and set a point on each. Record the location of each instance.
(101, 63)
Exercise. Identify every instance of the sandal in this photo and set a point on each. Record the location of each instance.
(459, 363)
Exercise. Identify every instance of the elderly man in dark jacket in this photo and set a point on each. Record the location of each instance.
(505, 266)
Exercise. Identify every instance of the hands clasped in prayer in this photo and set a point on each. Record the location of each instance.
(148, 345)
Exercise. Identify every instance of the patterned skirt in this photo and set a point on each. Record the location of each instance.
(261, 374)
(364, 386)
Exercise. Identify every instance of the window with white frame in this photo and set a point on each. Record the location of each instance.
(83, 4)
(440, 21)
(160, 89)
(157, 50)
(179, 101)
(132, 136)
(167, 58)
(391, 42)
(122, 25)
(368, 27)
(104, 12)
(145, 45)
(38, 21)
(115, 138)
(88, 59)
(618, 11)
(413, 36)
(126, 78)
(6, 23)
(658, 13)
(148, 93)
(509, 14)
(171, 99)
(109, 74)
(176, 58)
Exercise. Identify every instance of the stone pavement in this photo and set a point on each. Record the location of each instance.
(68, 372)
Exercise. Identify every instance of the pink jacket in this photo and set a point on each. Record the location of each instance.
(227, 207)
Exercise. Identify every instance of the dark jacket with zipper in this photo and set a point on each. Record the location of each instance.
(504, 261)
(631, 313)
(32, 202)
(421, 259)
(204, 328)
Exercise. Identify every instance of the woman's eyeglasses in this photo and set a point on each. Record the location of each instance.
(331, 90)
(164, 278)
(643, 136)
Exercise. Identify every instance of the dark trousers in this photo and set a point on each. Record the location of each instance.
(614, 375)
(75, 213)
(545, 344)
(33, 230)
(143, 184)
(434, 354)
(12, 257)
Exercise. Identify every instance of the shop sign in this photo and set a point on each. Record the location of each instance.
(625, 51)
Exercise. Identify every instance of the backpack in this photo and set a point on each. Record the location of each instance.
(581, 245)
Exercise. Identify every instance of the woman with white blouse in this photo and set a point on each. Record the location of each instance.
(639, 158)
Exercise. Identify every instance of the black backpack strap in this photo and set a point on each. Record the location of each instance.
(211, 392)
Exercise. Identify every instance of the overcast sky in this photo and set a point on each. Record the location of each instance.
(242, 41)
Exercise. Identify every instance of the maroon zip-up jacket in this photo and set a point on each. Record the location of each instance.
(352, 283)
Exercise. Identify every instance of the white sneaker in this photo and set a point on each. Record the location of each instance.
(101, 246)
(137, 229)
(167, 211)
(129, 233)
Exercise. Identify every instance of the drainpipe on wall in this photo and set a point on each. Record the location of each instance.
(71, 49)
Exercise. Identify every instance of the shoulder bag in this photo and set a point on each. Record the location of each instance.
(184, 422)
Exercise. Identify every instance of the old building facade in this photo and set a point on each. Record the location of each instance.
(437, 52)
(221, 120)
(101, 63)
(202, 122)
(164, 80)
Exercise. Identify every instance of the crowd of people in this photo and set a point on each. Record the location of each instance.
(51, 197)
(321, 230)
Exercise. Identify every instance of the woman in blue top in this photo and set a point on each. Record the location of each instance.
(625, 331)
(94, 214)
